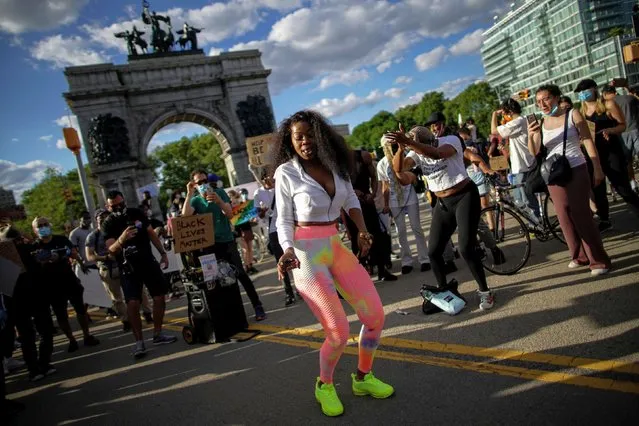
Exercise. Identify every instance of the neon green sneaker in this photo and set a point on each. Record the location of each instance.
(327, 397)
(371, 386)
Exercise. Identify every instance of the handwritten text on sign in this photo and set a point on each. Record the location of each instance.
(193, 232)
(258, 148)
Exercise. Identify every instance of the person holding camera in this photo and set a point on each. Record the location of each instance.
(53, 254)
(129, 235)
(202, 198)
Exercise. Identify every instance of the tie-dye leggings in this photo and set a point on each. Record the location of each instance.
(327, 266)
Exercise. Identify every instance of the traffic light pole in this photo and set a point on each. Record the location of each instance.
(88, 199)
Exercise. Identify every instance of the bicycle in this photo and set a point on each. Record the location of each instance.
(519, 222)
(260, 245)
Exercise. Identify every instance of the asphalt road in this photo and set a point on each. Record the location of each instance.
(560, 347)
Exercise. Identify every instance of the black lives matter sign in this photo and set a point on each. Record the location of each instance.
(193, 232)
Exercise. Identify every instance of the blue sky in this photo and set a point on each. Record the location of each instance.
(348, 59)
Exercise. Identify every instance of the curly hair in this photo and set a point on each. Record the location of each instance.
(332, 150)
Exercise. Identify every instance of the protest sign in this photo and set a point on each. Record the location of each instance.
(193, 232)
(258, 148)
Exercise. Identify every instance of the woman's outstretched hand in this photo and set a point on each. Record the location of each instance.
(287, 262)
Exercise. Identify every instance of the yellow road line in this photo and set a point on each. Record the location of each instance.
(479, 367)
(494, 353)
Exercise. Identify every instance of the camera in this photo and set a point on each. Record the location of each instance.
(42, 255)
(129, 253)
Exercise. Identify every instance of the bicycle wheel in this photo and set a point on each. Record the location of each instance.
(503, 240)
(552, 221)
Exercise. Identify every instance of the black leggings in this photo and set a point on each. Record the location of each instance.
(615, 168)
(461, 209)
(274, 242)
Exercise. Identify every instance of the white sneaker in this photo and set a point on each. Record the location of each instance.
(486, 300)
(574, 265)
(598, 272)
(11, 364)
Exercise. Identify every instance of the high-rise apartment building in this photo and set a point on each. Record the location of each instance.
(7, 200)
(560, 42)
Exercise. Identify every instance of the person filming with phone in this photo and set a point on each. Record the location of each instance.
(521, 160)
(128, 236)
(441, 159)
(560, 134)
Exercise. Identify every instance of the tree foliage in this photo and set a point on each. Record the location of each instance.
(175, 161)
(477, 101)
(47, 199)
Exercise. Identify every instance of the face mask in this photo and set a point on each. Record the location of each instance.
(119, 209)
(586, 95)
(45, 231)
(204, 188)
(85, 223)
(552, 111)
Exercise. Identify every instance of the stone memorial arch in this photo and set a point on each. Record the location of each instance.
(120, 107)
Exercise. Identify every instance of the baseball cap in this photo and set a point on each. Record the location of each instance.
(586, 84)
(435, 117)
(608, 89)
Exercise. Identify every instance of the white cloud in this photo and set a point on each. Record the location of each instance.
(403, 79)
(394, 92)
(335, 107)
(61, 144)
(131, 11)
(337, 36)
(452, 88)
(416, 98)
(431, 59)
(214, 51)
(66, 51)
(46, 138)
(19, 16)
(68, 121)
(470, 43)
(20, 177)
(15, 140)
(347, 78)
(384, 66)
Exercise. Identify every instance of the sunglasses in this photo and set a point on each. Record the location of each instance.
(42, 225)
(202, 182)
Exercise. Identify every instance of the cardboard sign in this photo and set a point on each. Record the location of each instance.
(258, 148)
(193, 232)
(499, 163)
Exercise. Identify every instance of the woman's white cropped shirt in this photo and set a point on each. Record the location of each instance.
(300, 198)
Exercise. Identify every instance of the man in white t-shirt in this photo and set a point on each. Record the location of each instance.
(401, 200)
(521, 160)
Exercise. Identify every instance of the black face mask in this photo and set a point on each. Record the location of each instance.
(119, 209)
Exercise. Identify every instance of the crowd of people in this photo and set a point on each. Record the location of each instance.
(317, 183)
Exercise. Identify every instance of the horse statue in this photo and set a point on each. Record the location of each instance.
(188, 35)
(138, 40)
(130, 41)
(159, 37)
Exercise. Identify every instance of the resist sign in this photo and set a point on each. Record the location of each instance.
(193, 232)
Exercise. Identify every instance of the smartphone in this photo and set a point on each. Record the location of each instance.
(619, 82)
(532, 118)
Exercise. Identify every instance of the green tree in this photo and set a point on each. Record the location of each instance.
(47, 199)
(368, 134)
(616, 31)
(477, 101)
(174, 162)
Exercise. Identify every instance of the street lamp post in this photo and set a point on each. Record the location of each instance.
(73, 143)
